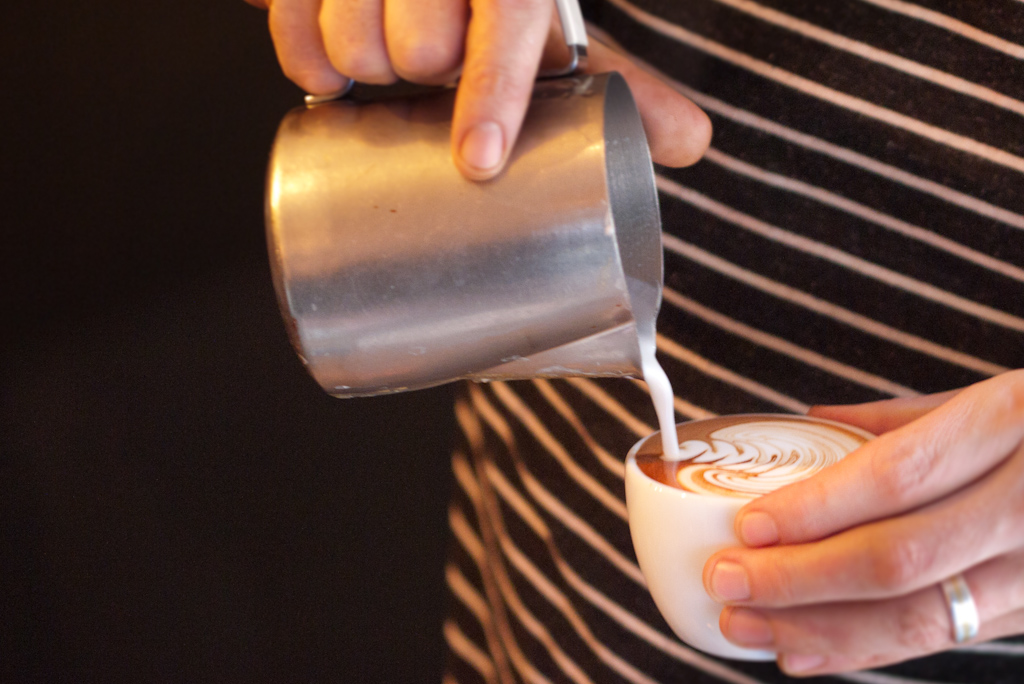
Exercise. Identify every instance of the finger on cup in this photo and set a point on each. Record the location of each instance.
(946, 449)
(842, 637)
(889, 558)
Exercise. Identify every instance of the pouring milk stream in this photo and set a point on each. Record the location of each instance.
(661, 394)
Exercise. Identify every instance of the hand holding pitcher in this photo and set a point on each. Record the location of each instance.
(496, 49)
(844, 570)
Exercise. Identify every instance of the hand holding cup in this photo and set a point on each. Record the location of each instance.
(844, 571)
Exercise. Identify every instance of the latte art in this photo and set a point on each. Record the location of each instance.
(747, 456)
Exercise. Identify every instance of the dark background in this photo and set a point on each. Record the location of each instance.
(178, 499)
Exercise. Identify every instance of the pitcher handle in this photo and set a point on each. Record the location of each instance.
(575, 33)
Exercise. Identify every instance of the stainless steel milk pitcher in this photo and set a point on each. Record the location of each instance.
(394, 272)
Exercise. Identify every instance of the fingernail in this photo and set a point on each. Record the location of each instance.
(748, 628)
(758, 529)
(729, 582)
(796, 663)
(483, 146)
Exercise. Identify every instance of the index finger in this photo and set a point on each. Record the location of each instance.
(904, 469)
(504, 43)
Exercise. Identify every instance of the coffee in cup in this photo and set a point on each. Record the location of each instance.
(682, 510)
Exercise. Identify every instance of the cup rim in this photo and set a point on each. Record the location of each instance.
(630, 462)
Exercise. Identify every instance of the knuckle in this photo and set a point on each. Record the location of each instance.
(920, 631)
(900, 472)
(357, 55)
(364, 65)
(776, 582)
(812, 629)
(897, 564)
(416, 59)
(815, 496)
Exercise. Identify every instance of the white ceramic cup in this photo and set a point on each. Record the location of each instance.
(675, 531)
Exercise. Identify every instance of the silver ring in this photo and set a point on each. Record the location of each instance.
(963, 612)
(313, 100)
